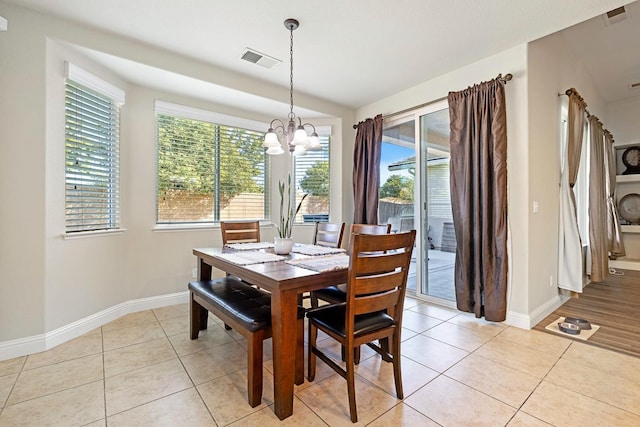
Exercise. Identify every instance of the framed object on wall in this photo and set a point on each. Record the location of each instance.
(631, 160)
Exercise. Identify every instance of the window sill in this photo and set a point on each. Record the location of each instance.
(184, 227)
(88, 234)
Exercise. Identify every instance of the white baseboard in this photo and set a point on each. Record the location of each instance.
(38, 343)
(518, 320)
(525, 321)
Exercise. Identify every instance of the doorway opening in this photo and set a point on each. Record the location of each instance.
(415, 193)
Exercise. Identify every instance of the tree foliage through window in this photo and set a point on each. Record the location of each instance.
(203, 167)
(397, 186)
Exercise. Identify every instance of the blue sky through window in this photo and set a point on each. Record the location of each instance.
(392, 153)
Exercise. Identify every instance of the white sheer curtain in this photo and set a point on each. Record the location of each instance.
(569, 243)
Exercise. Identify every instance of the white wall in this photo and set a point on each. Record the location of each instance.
(48, 283)
(22, 190)
(623, 119)
(512, 61)
(552, 69)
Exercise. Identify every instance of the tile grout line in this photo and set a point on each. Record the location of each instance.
(13, 386)
(104, 379)
(538, 385)
(186, 371)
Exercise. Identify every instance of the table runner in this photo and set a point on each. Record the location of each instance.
(323, 263)
(250, 257)
(315, 250)
(252, 246)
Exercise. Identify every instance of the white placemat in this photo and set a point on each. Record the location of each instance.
(250, 257)
(250, 246)
(315, 250)
(323, 263)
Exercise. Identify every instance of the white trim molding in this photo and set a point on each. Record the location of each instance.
(38, 343)
(528, 321)
(80, 75)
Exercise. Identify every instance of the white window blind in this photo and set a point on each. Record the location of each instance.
(91, 158)
(311, 173)
(208, 171)
(439, 197)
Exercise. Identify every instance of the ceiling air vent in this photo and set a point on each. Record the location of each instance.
(256, 57)
(616, 15)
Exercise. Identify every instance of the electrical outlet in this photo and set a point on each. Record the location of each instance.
(194, 273)
(551, 281)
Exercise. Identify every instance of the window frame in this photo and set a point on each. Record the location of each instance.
(214, 118)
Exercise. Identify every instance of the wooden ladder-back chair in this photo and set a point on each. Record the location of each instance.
(328, 234)
(376, 286)
(337, 294)
(240, 231)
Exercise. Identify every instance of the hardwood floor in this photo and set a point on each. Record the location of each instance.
(613, 304)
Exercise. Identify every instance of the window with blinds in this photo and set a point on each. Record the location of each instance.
(208, 172)
(311, 173)
(91, 159)
(439, 197)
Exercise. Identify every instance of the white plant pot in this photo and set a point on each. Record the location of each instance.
(283, 245)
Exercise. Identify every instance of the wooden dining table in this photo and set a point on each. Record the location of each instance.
(285, 281)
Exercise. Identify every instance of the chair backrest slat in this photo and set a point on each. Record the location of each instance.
(240, 231)
(370, 228)
(384, 261)
(379, 282)
(373, 303)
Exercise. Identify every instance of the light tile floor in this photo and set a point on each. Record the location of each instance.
(143, 370)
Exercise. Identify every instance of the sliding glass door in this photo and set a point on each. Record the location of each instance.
(414, 193)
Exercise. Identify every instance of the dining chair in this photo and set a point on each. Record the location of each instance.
(328, 234)
(376, 286)
(337, 294)
(240, 231)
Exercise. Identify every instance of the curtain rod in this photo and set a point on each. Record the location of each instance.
(568, 92)
(507, 77)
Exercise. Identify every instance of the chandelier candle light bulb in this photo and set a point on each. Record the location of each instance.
(297, 139)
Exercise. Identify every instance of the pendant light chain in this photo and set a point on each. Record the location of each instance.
(296, 138)
(291, 115)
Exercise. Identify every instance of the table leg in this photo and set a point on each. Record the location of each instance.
(284, 310)
(204, 270)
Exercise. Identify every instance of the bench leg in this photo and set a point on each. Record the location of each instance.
(198, 316)
(254, 367)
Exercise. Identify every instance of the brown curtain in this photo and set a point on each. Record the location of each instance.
(366, 171)
(614, 233)
(598, 241)
(478, 171)
(570, 264)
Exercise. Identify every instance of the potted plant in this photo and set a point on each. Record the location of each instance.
(283, 242)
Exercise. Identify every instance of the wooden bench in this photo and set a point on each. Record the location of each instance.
(248, 311)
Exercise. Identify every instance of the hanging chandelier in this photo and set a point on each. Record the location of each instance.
(293, 134)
